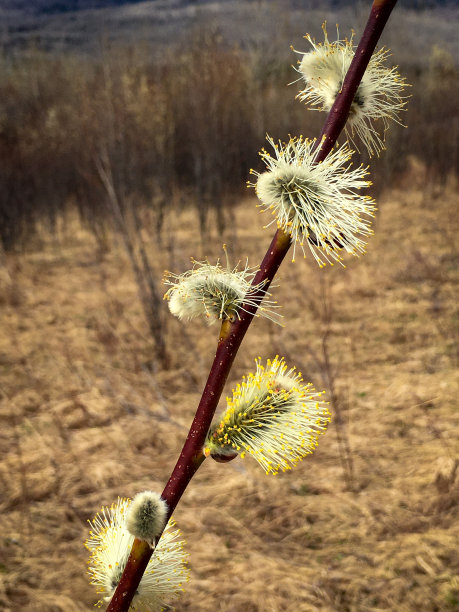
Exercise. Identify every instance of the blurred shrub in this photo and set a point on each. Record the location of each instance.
(183, 125)
(437, 113)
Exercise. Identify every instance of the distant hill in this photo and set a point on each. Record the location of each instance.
(38, 7)
(50, 7)
(82, 24)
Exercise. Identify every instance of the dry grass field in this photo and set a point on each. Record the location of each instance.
(87, 415)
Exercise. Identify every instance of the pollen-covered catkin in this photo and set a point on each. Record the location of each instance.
(272, 416)
(318, 204)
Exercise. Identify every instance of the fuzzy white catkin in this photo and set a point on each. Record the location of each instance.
(378, 98)
(146, 516)
(110, 544)
(318, 204)
(216, 293)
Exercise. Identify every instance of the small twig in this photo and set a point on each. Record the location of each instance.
(148, 293)
(25, 507)
(324, 312)
(342, 438)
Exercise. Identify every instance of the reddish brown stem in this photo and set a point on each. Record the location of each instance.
(228, 345)
(233, 333)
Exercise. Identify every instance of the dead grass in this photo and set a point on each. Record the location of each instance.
(87, 417)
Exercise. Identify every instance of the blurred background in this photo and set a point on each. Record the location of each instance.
(127, 132)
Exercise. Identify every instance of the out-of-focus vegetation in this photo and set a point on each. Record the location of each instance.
(183, 128)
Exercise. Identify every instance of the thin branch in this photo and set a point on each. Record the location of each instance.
(148, 293)
(233, 333)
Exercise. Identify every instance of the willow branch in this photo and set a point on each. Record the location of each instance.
(232, 333)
